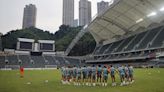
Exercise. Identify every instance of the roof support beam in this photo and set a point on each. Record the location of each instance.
(96, 36)
(102, 26)
(114, 23)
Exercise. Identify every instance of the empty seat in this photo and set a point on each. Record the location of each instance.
(113, 46)
(159, 40)
(38, 61)
(50, 60)
(60, 60)
(149, 37)
(101, 51)
(135, 41)
(26, 61)
(2, 61)
(13, 60)
(73, 61)
(124, 44)
(96, 51)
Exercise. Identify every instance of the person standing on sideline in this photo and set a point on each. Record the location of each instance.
(21, 72)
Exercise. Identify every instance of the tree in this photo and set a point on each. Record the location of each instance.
(62, 37)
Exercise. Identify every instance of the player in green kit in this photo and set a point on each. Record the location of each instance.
(99, 74)
(63, 71)
(126, 74)
(68, 75)
(84, 73)
(105, 76)
(89, 75)
(112, 74)
(93, 75)
(131, 74)
(74, 70)
(122, 75)
(78, 76)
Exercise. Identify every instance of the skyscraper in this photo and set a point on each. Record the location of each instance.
(68, 12)
(101, 6)
(84, 12)
(29, 16)
(75, 22)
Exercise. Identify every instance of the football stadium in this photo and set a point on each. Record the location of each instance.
(128, 55)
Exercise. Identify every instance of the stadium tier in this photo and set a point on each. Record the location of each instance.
(39, 61)
(2, 61)
(139, 46)
(61, 60)
(49, 60)
(28, 61)
(12, 60)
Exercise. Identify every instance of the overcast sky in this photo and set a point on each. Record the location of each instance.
(49, 13)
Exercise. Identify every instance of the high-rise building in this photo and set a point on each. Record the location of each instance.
(101, 6)
(68, 12)
(84, 12)
(75, 23)
(29, 16)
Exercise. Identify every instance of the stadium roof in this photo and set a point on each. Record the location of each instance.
(126, 16)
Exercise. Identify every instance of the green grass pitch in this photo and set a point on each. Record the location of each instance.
(146, 80)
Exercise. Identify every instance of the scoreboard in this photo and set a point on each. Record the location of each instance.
(25, 44)
(46, 45)
(35, 46)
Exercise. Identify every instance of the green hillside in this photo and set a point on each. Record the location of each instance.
(62, 37)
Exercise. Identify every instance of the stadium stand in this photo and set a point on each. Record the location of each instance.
(12, 60)
(148, 38)
(38, 61)
(113, 46)
(2, 61)
(97, 49)
(140, 46)
(49, 60)
(74, 61)
(158, 41)
(103, 48)
(28, 61)
(61, 60)
(123, 44)
(135, 41)
(30, 55)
